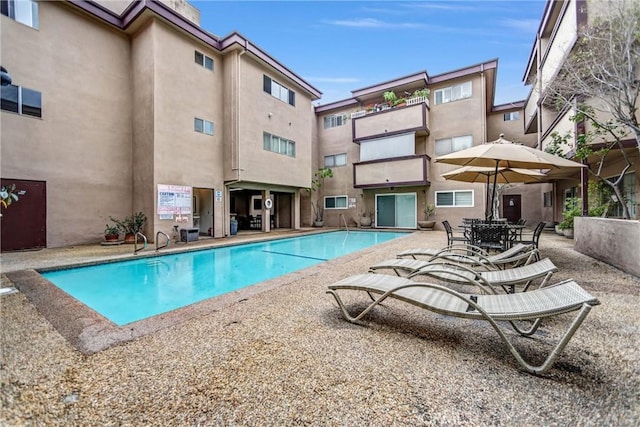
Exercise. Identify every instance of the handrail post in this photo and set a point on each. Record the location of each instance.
(166, 244)
(345, 222)
(135, 242)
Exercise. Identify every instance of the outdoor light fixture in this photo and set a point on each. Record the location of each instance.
(6, 78)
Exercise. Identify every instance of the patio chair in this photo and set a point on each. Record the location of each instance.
(518, 254)
(487, 280)
(536, 305)
(451, 239)
(533, 239)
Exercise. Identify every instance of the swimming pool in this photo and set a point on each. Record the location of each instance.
(129, 291)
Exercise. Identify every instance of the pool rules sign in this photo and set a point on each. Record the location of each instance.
(174, 200)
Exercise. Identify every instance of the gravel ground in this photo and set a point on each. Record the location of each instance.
(286, 357)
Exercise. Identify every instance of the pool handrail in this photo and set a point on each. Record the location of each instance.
(166, 244)
(345, 222)
(135, 243)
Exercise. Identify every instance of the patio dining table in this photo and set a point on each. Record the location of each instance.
(512, 233)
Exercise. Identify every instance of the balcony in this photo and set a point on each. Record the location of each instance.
(388, 121)
(393, 172)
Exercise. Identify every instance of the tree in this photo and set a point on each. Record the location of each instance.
(601, 79)
(603, 67)
(316, 184)
(611, 134)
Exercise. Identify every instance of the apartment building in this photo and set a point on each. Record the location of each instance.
(136, 108)
(120, 107)
(383, 156)
(557, 35)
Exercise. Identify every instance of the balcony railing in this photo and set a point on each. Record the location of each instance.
(392, 121)
(384, 106)
(392, 172)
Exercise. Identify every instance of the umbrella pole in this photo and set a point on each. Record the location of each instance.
(486, 199)
(493, 196)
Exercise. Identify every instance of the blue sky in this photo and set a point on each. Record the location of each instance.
(340, 46)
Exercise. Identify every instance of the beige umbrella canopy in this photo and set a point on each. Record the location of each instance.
(506, 154)
(503, 176)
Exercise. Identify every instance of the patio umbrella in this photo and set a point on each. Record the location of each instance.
(502, 153)
(503, 176)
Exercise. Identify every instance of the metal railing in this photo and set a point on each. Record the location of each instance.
(135, 242)
(345, 222)
(166, 244)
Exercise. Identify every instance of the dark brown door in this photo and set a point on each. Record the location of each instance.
(511, 207)
(24, 222)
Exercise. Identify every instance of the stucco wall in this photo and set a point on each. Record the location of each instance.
(81, 146)
(614, 241)
(457, 118)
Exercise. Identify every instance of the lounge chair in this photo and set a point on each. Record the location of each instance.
(518, 254)
(535, 305)
(463, 274)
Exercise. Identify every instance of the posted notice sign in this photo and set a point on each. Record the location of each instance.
(174, 199)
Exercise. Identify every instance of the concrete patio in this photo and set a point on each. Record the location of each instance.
(283, 355)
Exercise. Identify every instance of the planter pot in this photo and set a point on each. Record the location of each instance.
(111, 237)
(129, 238)
(559, 230)
(365, 221)
(426, 224)
(318, 223)
(568, 233)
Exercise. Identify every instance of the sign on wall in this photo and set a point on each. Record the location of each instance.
(174, 199)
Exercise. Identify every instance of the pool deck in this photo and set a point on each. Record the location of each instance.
(280, 353)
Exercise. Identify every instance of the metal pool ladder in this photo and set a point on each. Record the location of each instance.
(345, 222)
(135, 242)
(166, 244)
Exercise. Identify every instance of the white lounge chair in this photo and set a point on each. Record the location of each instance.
(463, 274)
(535, 305)
(518, 254)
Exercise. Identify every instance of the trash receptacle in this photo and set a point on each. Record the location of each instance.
(234, 226)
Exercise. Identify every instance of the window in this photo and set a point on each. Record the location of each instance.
(453, 93)
(628, 188)
(335, 160)
(279, 145)
(203, 126)
(278, 91)
(514, 115)
(463, 198)
(335, 202)
(335, 121)
(204, 60)
(450, 145)
(548, 199)
(23, 11)
(21, 100)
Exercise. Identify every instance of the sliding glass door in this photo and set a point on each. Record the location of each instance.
(396, 210)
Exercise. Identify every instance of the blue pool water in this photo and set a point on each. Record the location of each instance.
(128, 291)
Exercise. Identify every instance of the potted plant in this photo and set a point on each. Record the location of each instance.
(365, 219)
(390, 97)
(421, 93)
(573, 210)
(111, 233)
(318, 205)
(429, 209)
(400, 102)
(131, 225)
